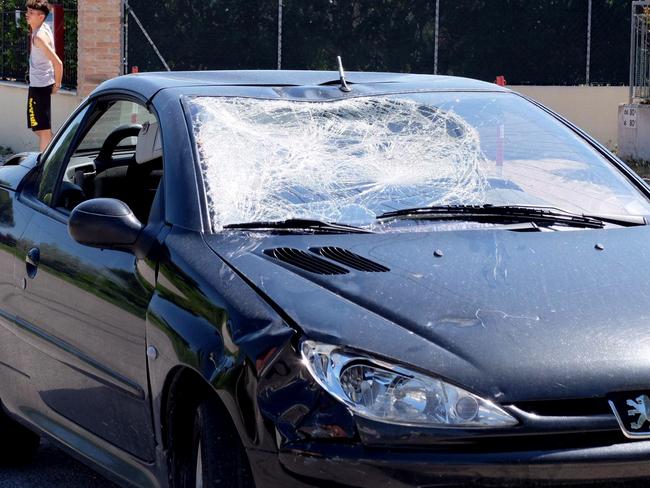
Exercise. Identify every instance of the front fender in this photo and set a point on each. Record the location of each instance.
(204, 317)
(15, 168)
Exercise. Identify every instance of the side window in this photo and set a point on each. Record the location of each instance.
(55, 158)
(118, 114)
(119, 156)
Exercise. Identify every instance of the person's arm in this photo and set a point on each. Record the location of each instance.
(43, 43)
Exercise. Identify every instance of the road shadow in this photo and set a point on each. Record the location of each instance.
(52, 468)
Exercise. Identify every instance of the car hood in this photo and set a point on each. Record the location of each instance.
(511, 315)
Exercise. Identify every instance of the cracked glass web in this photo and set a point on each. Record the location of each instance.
(343, 161)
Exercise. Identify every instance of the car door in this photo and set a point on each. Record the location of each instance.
(14, 380)
(85, 308)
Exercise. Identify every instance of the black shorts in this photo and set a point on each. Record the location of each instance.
(38, 107)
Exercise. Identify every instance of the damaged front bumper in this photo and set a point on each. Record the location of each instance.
(321, 443)
(320, 464)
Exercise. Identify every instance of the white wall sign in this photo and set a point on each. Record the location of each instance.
(629, 116)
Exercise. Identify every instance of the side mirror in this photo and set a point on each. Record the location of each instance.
(106, 223)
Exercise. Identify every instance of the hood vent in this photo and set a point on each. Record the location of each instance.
(350, 259)
(305, 260)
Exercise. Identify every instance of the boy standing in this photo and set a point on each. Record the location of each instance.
(45, 72)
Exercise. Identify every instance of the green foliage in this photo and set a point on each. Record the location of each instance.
(229, 34)
(11, 4)
(641, 167)
(14, 41)
(70, 48)
(378, 35)
(528, 42)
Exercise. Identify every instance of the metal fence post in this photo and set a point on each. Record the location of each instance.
(639, 51)
(129, 11)
(588, 42)
(632, 46)
(279, 34)
(2, 46)
(125, 40)
(435, 48)
(643, 51)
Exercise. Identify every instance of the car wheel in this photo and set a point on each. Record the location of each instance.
(218, 456)
(17, 443)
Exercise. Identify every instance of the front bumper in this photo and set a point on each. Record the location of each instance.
(355, 465)
(574, 441)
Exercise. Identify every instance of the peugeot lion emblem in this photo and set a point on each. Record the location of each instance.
(641, 408)
(633, 414)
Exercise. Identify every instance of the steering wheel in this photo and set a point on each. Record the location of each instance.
(105, 157)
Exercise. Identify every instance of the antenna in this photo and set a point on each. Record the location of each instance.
(344, 85)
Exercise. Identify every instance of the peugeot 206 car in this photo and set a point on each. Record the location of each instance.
(292, 279)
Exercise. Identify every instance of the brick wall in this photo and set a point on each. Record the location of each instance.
(99, 43)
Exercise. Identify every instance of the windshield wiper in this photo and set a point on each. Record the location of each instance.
(301, 224)
(513, 213)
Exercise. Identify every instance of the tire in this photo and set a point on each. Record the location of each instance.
(18, 445)
(218, 456)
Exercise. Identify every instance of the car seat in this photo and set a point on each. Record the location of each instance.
(136, 183)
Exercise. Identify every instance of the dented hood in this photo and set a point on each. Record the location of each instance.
(512, 315)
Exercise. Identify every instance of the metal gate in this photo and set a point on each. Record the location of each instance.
(640, 52)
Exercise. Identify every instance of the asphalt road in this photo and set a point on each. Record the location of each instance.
(52, 468)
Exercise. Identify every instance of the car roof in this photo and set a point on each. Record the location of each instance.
(148, 84)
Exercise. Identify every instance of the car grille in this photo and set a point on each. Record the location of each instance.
(579, 436)
(579, 407)
(544, 442)
(546, 426)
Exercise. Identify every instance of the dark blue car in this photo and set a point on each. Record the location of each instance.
(279, 279)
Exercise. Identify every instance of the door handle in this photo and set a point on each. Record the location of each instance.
(32, 260)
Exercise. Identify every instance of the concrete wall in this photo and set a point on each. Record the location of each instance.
(634, 132)
(592, 108)
(13, 115)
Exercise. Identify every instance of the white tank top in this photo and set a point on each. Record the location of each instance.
(41, 71)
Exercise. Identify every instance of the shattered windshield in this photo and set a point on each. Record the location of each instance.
(350, 160)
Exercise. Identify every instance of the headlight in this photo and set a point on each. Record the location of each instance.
(379, 391)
